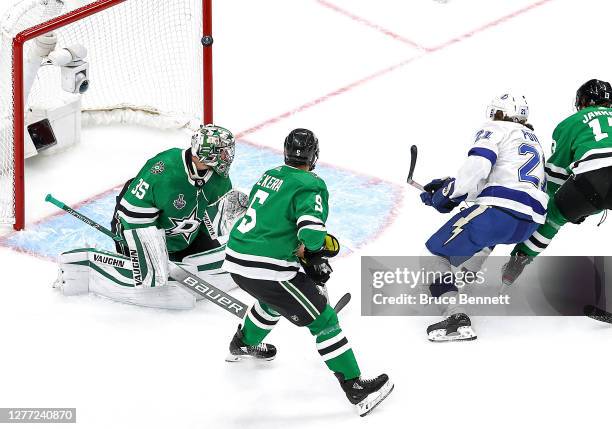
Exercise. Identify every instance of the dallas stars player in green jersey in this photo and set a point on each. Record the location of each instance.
(282, 230)
(179, 207)
(579, 172)
(164, 212)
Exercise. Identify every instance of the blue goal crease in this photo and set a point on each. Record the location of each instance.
(360, 207)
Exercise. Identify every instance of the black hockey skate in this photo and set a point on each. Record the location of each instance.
(366, 394)
(238, 350)
(456, 327)
(514, 267)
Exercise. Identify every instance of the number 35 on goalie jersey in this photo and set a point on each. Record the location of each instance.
(287, 207)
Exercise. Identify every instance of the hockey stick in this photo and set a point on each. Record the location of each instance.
(185, 279)
(597, 314)
(342, 302)
(413, 159)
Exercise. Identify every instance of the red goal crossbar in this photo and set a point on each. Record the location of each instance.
(18, 89)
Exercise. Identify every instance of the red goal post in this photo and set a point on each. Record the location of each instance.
(197, 13)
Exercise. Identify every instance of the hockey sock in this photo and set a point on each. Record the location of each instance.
(540, 239)
(333, 346)
(258, 322)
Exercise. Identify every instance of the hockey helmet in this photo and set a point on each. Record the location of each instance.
(301, 148)
(594, 92)
(512, 106)
(214, 146)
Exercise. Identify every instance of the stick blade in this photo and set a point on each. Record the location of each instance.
(342, 302)
(413, 160)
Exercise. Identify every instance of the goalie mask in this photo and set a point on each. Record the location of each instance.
(214, 146)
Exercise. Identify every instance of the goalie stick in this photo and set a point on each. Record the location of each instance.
(185, 279)
(598, 314)
(413, 159)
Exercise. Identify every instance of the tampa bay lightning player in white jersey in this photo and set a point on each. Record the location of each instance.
(504, 176)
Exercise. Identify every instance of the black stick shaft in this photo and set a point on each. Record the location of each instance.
(413, 160)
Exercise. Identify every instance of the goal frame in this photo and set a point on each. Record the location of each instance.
(18, 84)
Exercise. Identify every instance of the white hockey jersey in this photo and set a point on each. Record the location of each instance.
(505, 168)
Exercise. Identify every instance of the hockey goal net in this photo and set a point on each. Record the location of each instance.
(149, 63)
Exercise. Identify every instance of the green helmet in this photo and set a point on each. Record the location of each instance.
(214, 146)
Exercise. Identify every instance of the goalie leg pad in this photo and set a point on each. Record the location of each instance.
(149, 256)
(208, 265)
(109, 275)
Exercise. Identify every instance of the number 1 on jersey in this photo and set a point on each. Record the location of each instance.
(249, 219)
(595, 125)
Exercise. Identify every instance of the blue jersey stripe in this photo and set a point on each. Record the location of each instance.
(485, 153)
(514, 195)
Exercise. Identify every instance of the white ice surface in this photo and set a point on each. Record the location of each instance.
(128, 367)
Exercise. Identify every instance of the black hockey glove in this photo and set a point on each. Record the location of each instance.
(316, 263)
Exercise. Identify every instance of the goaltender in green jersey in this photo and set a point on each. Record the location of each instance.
(179, 207)
(579, 172)
(279, 253)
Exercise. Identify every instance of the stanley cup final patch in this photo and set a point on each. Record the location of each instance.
(180, 202)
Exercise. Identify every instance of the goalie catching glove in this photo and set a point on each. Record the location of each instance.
(316, 263)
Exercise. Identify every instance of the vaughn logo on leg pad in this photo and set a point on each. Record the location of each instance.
(136, 274)
(108, 260)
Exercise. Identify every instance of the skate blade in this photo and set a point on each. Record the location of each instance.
(464, 333)
(240, 358)
(366, 406)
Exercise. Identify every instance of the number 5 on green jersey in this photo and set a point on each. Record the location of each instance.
(250, 217)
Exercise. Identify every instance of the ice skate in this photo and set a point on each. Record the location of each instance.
(456, 327)
(514, 267)
(239, 351)
(366, 394)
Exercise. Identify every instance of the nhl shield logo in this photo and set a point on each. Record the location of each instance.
(180, 202)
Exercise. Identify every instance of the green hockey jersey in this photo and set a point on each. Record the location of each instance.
(581, 143)
(164, 194)
(287, 207)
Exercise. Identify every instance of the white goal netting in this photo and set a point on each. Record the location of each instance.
(145, 66)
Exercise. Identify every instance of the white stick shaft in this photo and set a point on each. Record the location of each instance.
(416, 185)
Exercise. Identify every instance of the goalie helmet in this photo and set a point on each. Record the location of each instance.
(301, 148)
(512, 106)
(592, 93)
(214, 146)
